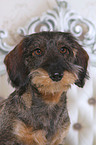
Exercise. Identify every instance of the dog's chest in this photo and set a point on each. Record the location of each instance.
(42, 122)
(50, 118)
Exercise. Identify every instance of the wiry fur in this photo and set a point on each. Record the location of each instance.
(45, 85)
(36, 112)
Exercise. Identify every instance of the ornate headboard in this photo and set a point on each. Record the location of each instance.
(61, 18)
(81, 102)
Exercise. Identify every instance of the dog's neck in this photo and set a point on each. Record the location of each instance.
(49, 98)
(52, 114)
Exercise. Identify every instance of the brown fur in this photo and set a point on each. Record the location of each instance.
(27, 99)
(27, 135)
(46, 85)
(42, 68)
(51, 91)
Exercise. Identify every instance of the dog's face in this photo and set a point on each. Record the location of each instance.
(51, 60)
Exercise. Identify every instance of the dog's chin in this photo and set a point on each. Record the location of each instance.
(46, 85)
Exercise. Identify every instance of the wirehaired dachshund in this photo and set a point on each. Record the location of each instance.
(42, 68)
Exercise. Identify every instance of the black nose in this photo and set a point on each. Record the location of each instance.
(56, 76)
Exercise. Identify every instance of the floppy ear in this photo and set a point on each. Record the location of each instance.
(16, 68)
(81, 60)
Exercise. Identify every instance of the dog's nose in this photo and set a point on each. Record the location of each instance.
(56, 76)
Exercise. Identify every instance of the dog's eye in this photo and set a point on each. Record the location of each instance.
(37, 52)
(64, 50)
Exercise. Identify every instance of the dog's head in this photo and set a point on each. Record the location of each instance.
(51, 60)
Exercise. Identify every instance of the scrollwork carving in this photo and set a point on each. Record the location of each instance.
(61, 18)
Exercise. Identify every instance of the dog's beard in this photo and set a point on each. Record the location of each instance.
(45, 85)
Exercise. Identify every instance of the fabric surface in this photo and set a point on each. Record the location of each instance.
(82, 112)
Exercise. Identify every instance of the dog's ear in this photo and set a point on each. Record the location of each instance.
(16, 69)
(82, 61)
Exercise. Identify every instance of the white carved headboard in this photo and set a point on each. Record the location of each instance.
(61, 18)
(81, 102)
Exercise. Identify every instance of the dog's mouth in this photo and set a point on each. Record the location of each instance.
(52, 83)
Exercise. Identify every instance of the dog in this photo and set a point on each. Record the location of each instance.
(42, 68)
